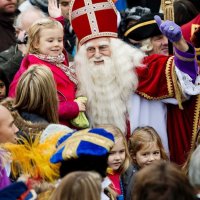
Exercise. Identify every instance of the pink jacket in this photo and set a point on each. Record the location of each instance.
(66, 89)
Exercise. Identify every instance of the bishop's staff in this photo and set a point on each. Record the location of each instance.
(168, 11)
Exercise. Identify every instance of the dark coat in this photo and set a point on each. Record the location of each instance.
(127, 181)
(7, 31)
(10, 61)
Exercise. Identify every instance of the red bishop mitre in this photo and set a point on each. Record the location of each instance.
(93, 19)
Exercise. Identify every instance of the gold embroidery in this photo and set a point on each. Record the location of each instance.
(177, 89)
(169, 83)
(195, 121)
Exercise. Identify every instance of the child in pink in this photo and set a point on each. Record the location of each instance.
(45, 47)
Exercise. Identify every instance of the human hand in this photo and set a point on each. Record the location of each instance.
(22, 48)
(81, 105)
(170, 29)
(54, 9)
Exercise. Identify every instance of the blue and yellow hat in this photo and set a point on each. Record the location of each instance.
(87, 142)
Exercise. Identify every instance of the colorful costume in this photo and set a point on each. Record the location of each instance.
(174, 116)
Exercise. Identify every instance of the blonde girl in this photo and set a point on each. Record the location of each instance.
(119, 164)
(45, 46)
(36, 93)
(145, 146)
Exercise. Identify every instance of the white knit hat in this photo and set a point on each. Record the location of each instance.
(51, 129)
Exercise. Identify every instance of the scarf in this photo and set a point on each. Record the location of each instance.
(58, 62)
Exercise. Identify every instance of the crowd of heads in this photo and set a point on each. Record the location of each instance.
(86, 157)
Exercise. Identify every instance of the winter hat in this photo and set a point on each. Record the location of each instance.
(42, 4)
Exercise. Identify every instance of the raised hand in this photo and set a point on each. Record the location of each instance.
(54, 9)
(170, 29)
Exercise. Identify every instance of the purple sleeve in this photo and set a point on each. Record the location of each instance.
(4, 180)
(186, 62)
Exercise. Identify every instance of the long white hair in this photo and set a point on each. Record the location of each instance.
(109, 86)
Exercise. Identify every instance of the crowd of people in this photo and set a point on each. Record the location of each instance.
(99, 100)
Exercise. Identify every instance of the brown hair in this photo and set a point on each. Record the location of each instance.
(162, 181)
(34, 32)
(142, 136)
(79, 185)
(36, 93)
(118, 134)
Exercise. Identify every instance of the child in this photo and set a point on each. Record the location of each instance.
(86, 184)
(145, 146)
(120, 169)
(162, 180)
(45, 46)
(3, 86)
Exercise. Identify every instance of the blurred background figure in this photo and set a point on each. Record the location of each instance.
(184, 11)
(194, 171)
(3, 86)
(162, 181)
(8, 11)
(146, 35)
(79, 185)
(153, 5)
(11, 58)
(121, 5)
(130, 17)
(8, 131)
(65, 7)
(69, 36)
(41, 4)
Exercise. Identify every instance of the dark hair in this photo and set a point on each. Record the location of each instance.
(85, 163)
(4, 79)
(162, 181)
(184, 11)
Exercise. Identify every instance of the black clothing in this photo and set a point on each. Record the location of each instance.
(7, 31)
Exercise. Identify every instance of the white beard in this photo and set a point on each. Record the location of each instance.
(108, 86)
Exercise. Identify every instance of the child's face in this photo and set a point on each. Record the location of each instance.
(117, 155)
(51, 42)
(2, 90)
(147, 154)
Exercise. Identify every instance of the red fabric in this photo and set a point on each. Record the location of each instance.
(153, 75)
(106, 19)
(115, 179)
(68, 109)
(180, 123)
(187, 29)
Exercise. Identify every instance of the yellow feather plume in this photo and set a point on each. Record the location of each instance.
(32, 158)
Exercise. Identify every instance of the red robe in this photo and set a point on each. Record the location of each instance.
(182, 124)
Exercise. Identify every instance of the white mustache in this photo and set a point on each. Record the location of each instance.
(103, 58)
